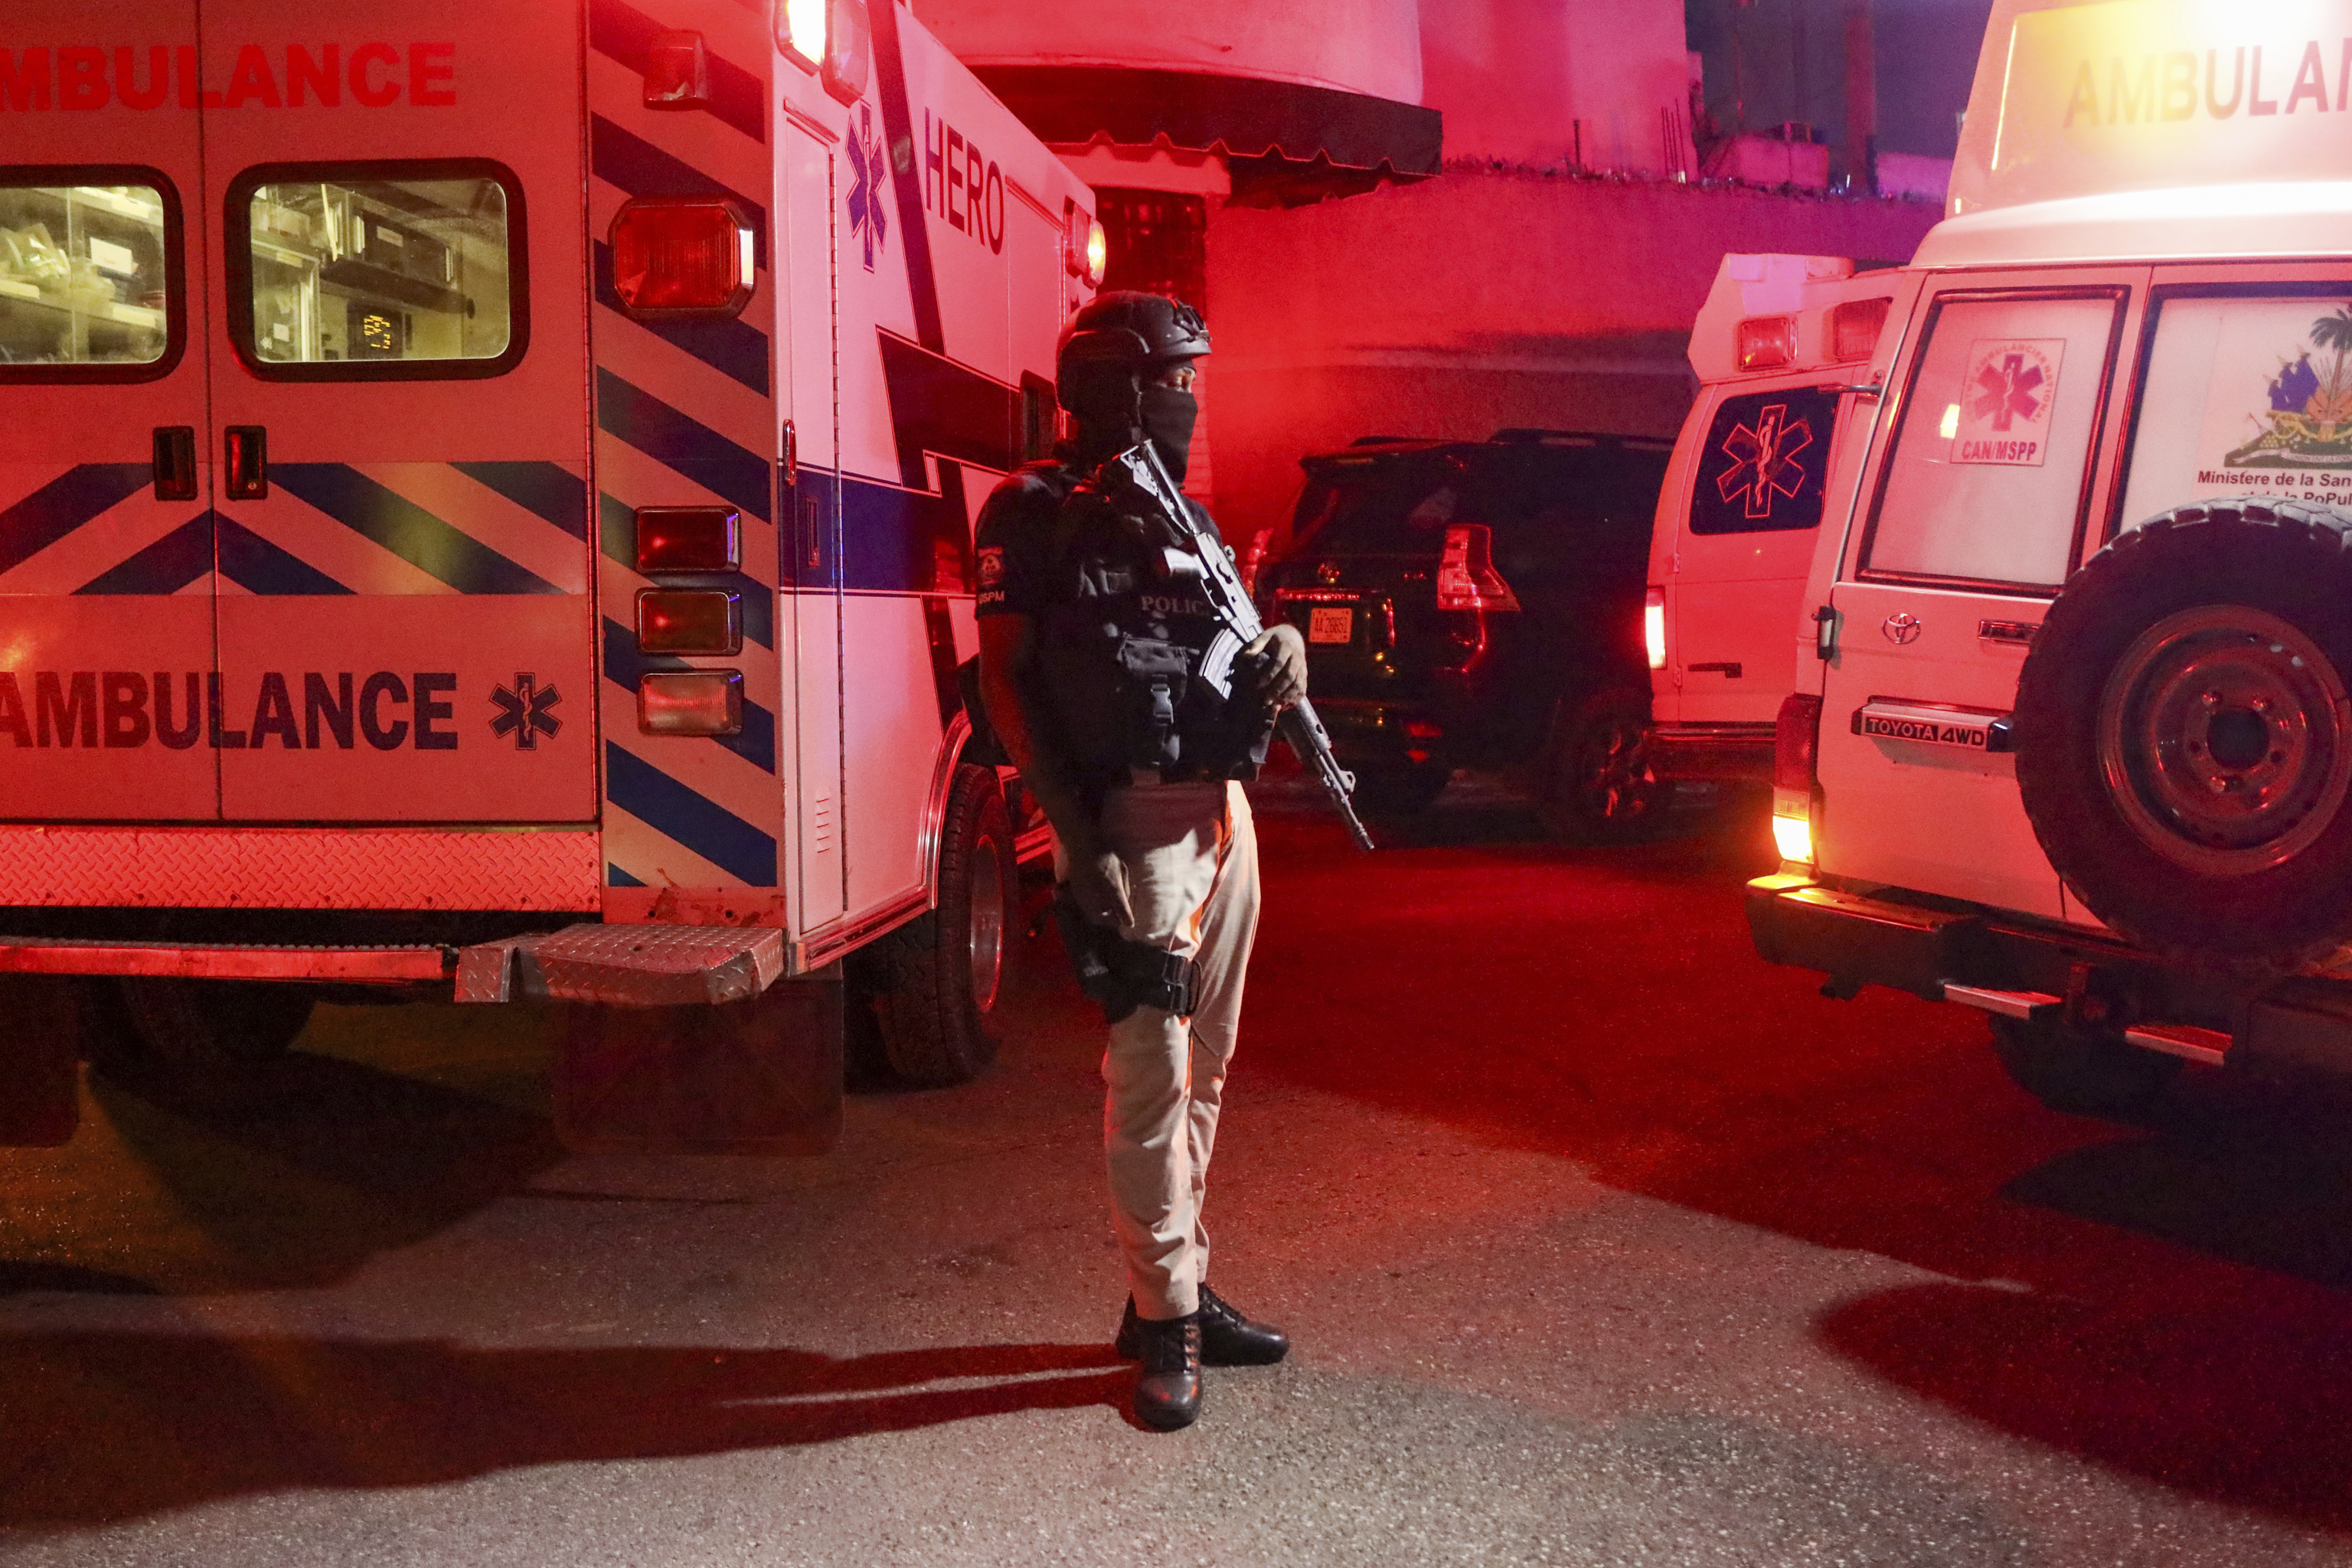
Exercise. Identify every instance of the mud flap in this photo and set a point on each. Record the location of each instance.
(758, 1076)
(40, 1060)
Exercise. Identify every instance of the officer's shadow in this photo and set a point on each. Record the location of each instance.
(108, 1426)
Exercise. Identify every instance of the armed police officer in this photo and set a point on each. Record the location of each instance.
(1102, 673)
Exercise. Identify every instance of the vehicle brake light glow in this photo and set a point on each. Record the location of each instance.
(689, 620)
(691, 702)
(1098, 252)
(1796, 746)
(676, 256)
(1466, 578)
(800, 31)
(1854, 327)
(689, 539)
(1654, 627)
(1767, 343)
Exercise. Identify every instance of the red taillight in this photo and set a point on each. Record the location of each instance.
(689, 620)
(1466, 578)
(1796, 740)
(675, 255)
(689, 539)
(1767, 343)
(1854, 327)
(1796, 745)
(1654, 627)
(691, 702)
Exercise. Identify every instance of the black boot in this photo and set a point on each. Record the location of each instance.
(1168, 1391)
(1227, 1338)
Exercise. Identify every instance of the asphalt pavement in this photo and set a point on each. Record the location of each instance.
(1600, 1242)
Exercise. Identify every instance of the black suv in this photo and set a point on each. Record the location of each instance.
(1478, 604)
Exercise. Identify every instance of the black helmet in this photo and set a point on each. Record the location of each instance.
(1112, 340)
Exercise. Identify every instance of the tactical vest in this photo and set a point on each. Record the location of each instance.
(1121, 649)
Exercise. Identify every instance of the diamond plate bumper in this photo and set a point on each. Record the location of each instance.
(225, 961)
(299, 867)
(625, 965)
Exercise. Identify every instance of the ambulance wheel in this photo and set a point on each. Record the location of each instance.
(1595, 784)
(947, 969)
(2080, 1074)
(202, 1035)
(2184, 733)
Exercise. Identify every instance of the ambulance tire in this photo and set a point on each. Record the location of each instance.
(2080, 1074)
(946, 970)
(2200, 662)
(202, 1038)
(1595, 784)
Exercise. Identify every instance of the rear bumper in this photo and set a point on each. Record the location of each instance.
(1367, 734)
(2014, 968)
(1720, 754)
(622, 965)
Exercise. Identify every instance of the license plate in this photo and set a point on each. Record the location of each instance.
(1330, 626)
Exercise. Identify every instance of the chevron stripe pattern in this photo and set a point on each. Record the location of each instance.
(396, 527)
(685, 417)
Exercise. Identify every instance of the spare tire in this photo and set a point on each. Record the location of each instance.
(2184, 734)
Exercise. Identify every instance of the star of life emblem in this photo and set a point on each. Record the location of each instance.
(869, 176)
(1764, 460)
(524, 711)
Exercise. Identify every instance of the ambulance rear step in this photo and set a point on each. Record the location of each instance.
(2209, 1047)
(622, 965)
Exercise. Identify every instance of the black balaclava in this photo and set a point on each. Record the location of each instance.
(1168, 415)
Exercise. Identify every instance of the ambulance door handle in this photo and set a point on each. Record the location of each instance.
(176, 462)
(249, 462)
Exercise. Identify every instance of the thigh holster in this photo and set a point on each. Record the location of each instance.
(1121, 975)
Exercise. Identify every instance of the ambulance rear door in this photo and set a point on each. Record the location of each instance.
(400, 409)
(106, 615)
(1999, 448)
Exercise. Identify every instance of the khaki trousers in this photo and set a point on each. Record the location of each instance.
(1191, 855)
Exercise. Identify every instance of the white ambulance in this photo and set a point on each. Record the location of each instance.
(486, 499)
(2074, 746)
(1785, 349)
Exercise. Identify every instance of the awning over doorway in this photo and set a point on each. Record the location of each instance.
(1285, 144)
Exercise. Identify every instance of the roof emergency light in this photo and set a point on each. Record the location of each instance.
(1466, 578)
(678, 74)
(1854, 327)
(682, 255)
(1085, 248)
(1767, 343)
(833, 37)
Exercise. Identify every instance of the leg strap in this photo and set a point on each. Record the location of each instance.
(1121, 975)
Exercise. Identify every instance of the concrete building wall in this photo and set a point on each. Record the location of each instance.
(1356, 46)
(1481, 301)
(1526, 82)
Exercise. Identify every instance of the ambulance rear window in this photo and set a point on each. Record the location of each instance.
(377, 272)
(90, 285)
(1987, 482)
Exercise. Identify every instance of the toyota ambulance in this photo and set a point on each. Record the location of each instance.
(1785, 349)
(2072, 742)
(486, 499)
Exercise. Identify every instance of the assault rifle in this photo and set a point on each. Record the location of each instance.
(1137, 473)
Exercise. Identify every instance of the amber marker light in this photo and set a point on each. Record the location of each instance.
(689, 620)
(691, 702)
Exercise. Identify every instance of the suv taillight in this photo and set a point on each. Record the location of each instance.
(1796, 746)
(1654, 627)
(1466, 578)
(677, 255)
